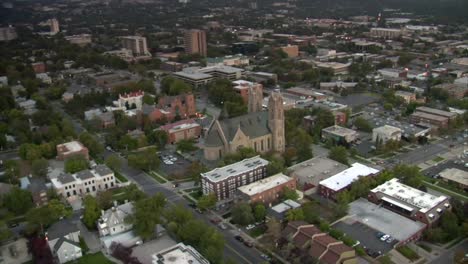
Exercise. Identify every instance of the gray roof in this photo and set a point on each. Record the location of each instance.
(65, 178)
(253, 125)
(37, 185)
(61, 229)
(85, 174)
(102, 170)
(147, 109)
(63, 240)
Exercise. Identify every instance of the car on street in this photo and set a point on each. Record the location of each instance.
(239, 238)
(222, 226)
(265, 257)
(380, 234)
(384, 237)
(251, 226)
(248, 243)
(389, 240)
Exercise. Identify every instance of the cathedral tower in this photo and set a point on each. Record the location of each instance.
(276, 121)
(255, 98)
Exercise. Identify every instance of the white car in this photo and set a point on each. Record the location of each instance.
(384, 237)
(250, 227)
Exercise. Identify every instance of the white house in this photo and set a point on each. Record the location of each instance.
(386, 133)
(63, 238)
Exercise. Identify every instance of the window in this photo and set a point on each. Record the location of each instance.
(261, 144)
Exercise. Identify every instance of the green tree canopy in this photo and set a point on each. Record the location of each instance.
(242, 214)
(75, 164)
(339, 153)
(18, 201)
(92, 211)
(207, 201)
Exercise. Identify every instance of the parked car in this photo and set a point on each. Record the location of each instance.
(265, 257)
(384, 237)
(222, 226)
(248, 243)
(380, 234)
(239, 238)
(251, 226)
(390, 240)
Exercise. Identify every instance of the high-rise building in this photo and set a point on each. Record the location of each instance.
(54, 26)
(195, 42)
(136, 44)
(7, 33)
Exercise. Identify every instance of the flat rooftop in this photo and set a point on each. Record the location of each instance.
(338, 130)
(387, 129)
(264, 184)
(429, 116)
(435, 111)
(408, 129)
(235, 169)
(383, 220)
(179, 253)
(316, 169)
(456, 175)
(346, 177)
(72, 146)
(222, 69)
(408, 195)
(304, 91)
(284, 206)
(193, 74)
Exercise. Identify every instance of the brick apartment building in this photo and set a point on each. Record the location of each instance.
(409, 202)
(71, 149)
(224, 181)
(180, 105)
(182, 130)
(318, 245)
(434, 120)
(267, 190)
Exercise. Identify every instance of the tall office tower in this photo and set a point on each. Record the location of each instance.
(195, 42)
(7, 33)
(136, 44)
(54, 26)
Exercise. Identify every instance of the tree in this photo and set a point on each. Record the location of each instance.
(409, 175)
(40, 217)
(113, 161)
(75, 164)
(295, 215)
(195, 169)
(12, 171)
(290, 194)
(242, 214)
(147, 214)
(95, 148)
(339, 153)
(146, 159)
(18, 201)
(105, 199)
(5, 232)
(273, 229)
(449, 224)
(186, 145)
(158, 137)
(132, 193)
(260, 212)
(39, 167)
(92, 211)
(362, 124)
(207, 201)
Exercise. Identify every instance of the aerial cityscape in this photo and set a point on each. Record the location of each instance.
(234, 132)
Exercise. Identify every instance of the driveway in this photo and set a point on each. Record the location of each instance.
(91, 238)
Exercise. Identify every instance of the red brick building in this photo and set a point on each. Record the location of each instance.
(71, 149)
(180, 105)
(38, 67)
(340, 118)
(267, 190)
(184, 129)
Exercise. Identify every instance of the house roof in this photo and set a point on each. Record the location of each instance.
(37, 185)
(102, 170)
(252, 125)
(61, 229)
(63, 241)
(65, 178)
(84, 174)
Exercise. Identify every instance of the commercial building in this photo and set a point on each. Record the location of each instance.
(409, 202)
(455, 176)
(182, 130)
(393, 73)
(263, 76)
(407, 96)
(408, 130)
(224, 181)
(85, 182)
(311, 172)
(80, 40)
(7, 33)
(449, 115)
(70, 149)
(336, 67)
(308, 93)
(331, 186)
(317, 244)
(425, 118)
(338, 134)
(172, 66)
(291, 50)
(385, 133)
(179, 253)
(193, 77)
(244, 89)
(195, 42)
(136, 44)
(386, 32)
(230, 60)
(224, 72)
(267, 190)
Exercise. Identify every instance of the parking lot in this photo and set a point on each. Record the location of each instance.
(366, 235)
(179, 164)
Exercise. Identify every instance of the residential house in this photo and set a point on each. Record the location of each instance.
(63, 238)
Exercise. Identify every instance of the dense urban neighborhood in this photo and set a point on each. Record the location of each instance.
(249, 131)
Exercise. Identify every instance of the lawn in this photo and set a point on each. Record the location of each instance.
(425, 247)
(437, 159)
(385, 259)
(158, 178)
(196, 194)
(97, 258)
(119, 176)
(408, 253)
(257, 231)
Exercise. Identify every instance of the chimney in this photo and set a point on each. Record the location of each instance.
(102, 212)
(115, 203)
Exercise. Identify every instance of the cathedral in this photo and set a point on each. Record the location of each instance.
(263, 131)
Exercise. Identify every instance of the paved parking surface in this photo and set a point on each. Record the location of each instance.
(366, 235)
(179, 166)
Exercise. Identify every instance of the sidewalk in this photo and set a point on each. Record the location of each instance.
(397, 257)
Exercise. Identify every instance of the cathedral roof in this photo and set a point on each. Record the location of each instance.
(252, 125)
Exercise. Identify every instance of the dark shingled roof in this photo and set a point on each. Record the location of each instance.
(253, 125)
(65, 178)
(61, 229)
(37, 185)
(102, 170)
(85, 174)
(63, 240)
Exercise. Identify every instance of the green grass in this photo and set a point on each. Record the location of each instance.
(196, 194)
(454, 242)
(83, 246)
(437, 159)
(425, 247)
(408, 253)
(385, 259)
(119, 176)
(157, 177)
(97, 258)
(257, 231)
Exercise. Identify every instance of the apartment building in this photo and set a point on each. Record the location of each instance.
(85, 182)
(267, 190)
(224, 181)
(425, 118)
(70, 149)
(195, 42)
(409, 202)
(182, 130)
(386, 32)
(136, 44)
